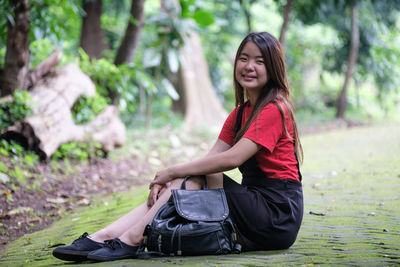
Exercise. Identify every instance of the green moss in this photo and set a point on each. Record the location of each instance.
(351, 177)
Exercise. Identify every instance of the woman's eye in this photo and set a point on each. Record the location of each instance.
(242, 59)
(260, 62)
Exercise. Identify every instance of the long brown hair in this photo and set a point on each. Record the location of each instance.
(276, 90)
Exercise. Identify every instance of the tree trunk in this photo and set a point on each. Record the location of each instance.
(51, 123)
(341, 103)
(91, 34)
(178, 105)
(201, 103)
(198, 100)
(286, 15)
(16, 64)
(126, 50)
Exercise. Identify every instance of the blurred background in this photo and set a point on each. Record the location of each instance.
(342, 56)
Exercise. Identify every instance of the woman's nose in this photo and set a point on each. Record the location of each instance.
(249, 65)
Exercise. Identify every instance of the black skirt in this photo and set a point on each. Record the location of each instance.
(267, 212)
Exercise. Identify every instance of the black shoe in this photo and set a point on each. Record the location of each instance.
(78, 250)
(114, 249)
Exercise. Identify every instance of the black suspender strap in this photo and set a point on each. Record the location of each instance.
(298, 166)
(238, 125)
(239, 117)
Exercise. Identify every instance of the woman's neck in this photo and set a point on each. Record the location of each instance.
(251, 97)
(251, 101)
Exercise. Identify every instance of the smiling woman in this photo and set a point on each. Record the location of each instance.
(260, 137)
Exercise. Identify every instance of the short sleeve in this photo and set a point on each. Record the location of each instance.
(266, 129)
(227, 133)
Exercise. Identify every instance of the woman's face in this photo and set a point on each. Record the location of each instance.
(251, 72)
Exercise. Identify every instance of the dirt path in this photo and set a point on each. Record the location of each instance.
(351, 187)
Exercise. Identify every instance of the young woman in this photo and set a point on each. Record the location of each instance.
(259, 136)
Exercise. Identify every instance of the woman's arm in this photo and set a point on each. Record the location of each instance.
(218, 147)
(213, 179)
(157, 189)
(212, 163)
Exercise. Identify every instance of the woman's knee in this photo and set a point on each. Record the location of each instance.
(215, 180)
(193, 183)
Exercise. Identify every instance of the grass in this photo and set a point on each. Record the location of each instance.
(351, 191)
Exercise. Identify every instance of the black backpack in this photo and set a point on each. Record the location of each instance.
(192, 222)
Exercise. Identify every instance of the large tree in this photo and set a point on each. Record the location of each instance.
(198, 99)
(127, 48)
(16, 63)
(246, 7)
(91, 34)
(354, 46)
(286, 15)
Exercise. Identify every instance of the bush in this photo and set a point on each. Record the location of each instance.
(14, 110)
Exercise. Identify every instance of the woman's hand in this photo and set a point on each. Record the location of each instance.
(162, 177)
(155, 192)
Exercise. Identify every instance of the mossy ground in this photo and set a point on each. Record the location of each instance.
(351, 215)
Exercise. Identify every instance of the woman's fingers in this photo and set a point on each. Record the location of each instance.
(162, 177)
(153, 195)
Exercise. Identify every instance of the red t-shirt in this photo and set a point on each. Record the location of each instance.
(276, 157)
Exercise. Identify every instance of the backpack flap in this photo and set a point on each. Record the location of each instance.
(201, 205)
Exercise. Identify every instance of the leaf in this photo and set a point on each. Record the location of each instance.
(151, 58)
(173, 60)
(59, 200)
(17, 211)
(170, 89)
(19, 174)
(3, 167)
(4, 178)
(203, 18)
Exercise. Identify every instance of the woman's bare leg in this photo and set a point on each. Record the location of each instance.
(121, 225)
(129, 228)
(215, 180)
(134, 235)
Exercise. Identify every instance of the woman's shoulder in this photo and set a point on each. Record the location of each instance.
(271, 108)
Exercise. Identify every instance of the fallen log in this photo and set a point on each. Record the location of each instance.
(46, 67)
(51, 123)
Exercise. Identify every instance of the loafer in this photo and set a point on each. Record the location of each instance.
(78, 250)
(114, 249)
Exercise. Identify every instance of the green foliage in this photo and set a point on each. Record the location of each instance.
(55, 19)
(14, 110)
(79, 151)
(86, 109)
(17, 153)
(197, 11)
(125, 80)
(21, 162)
(3, 167)
(375, 20)
(40, 50)
(6, 13)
